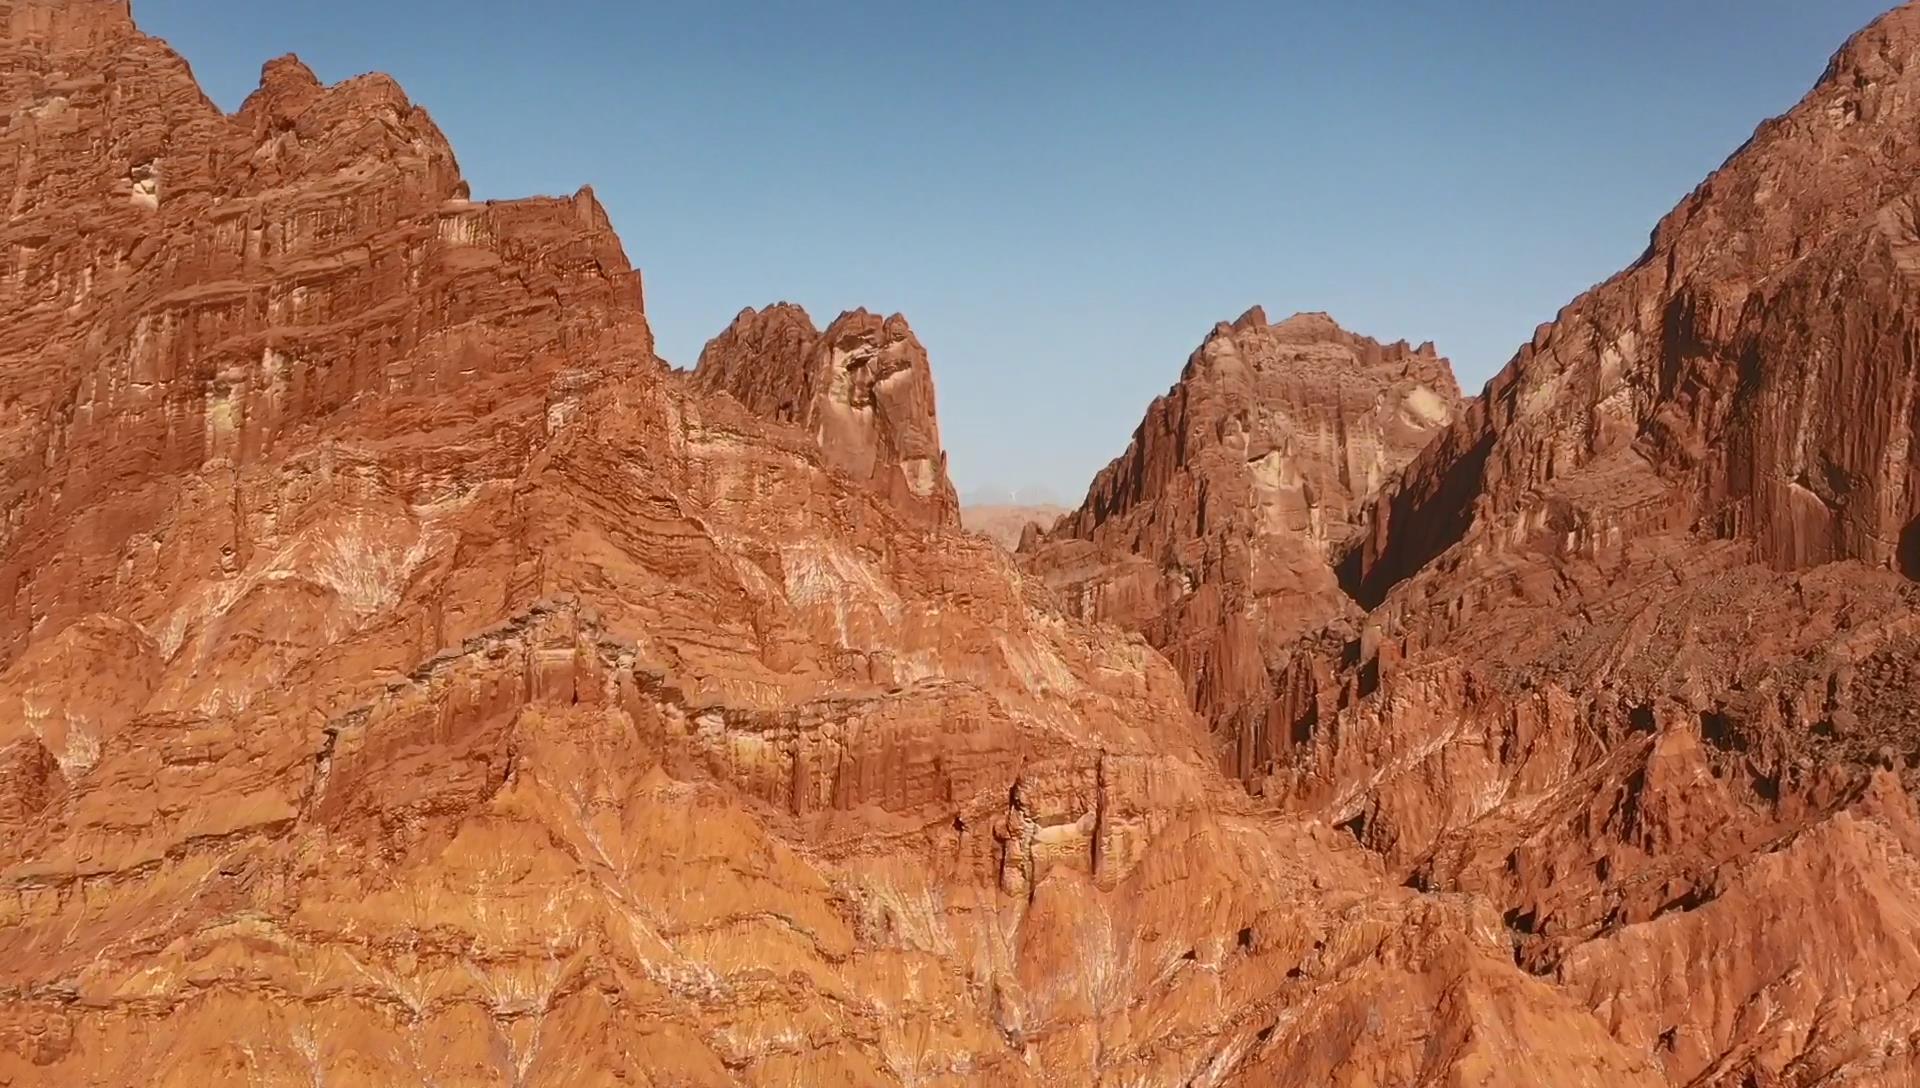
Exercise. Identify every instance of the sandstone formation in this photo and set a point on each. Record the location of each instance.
(1215, 533)
(1639, 664)
(863, 389)
(1008, 525)
(405, 679)
(188, 295)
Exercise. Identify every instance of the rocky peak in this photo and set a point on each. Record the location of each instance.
(287, 71)
(1302, 400)
(65, 25)
(1309, 325)
(764, 360)
(1254, 318)
(287, 87)
(1215, 533)
(197, 287)
(1747, 378)
(863, 388)
(362, 125)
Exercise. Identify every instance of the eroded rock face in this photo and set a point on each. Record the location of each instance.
(1747, 377)
(1639, 665)
(406, 680)
(1215, 533)
(189, 294)
(863, 389)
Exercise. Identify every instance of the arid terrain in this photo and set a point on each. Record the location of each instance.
(1006, 525)
(409, 678)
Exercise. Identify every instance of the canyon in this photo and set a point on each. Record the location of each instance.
(409, 677)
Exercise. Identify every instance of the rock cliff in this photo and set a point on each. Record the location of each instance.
(1632, 650)
(863, 388)
(407, 679)
(1216, 533)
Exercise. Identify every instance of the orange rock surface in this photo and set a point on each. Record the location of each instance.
(863, 388)
(1215, 535)
(406, 679)
(1634, 656)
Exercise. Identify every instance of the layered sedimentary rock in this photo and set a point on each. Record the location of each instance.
(1640, 663)
(407, 680)
(1748, 377)
(1215, 533)
(1637, 664)
(188, 294)
(863, 388)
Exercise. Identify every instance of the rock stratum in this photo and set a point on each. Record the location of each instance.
(1217, 533)
(863, 387)
(1628, 649)
(407, 679)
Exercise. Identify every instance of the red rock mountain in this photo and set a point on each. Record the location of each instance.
(1639, 666)
(1642, 667)
(1216, 533)
(405, 679)
(863, 389)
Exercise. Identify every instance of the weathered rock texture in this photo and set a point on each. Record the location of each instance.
(188, 295)
(1640, 665)
(404, 679)
(863, 389)
(1215, 534)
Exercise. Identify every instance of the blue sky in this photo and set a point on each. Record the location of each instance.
(1064, 197)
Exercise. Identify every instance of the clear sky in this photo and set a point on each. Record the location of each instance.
(1064, 197)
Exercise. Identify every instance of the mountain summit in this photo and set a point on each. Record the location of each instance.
(406, 678)
(1217, 531)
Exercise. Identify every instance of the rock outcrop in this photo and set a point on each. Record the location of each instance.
(1638, 660)
(863, 389)
(188, 294)
(1747, 378)
(407, 680)
(1215, 534)
(1631, 653)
